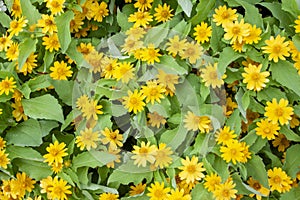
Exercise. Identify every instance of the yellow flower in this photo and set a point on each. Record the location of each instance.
(246, 152)
(157, 191)
(100, 11)
(276, 48)
(163, 13)
(297, 26)
(82, 101)
(56, 6)
(194, 122)
(225, 136)
(12, 52)
(230, 106)
(4, 160)
(112, 137)
(191, 169)
(2, 143)
(254, 35)
(162, 156)
(167, 80)
(29, 64)
(224, 16)
(124, 72)
(137, 189)
(178, 195)
(92, 109)
(95, 61)
(143, 4)
(59, 189)
(131, 44)
(279, 180)
(267, 129)
(45, 185)
(233, 152)
(236, 46)
(144, 153)
(25, 182)
(150, 54)
(136, 33)
(140, 18)
(16, 10)
(5, 42)
(47, 24)
(156, 120)
(56, 167)
(294, 121)
(279, 112)
(192, 51)
(176, 46)
(236, 31)
(153, 92)
(77, 22)
(86, 48)
(60, 71)
(255, 79)
(202, 32)
(108, 196)
(110, 64)
(134, 101)
(7, 85)
(114, 152)
(18, 112)
(281, 142)
(211, 77)
(258, 187)
(87, 139)
(56, 152)
(16, 26)
(51, 42)
(225, 191)
(211, 181)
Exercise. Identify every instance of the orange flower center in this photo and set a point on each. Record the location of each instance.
(277, 179)
(5, 84)
(158, 193)
(267, 130)
(48, 22)
(191, 169)
(143, 150)
(256, 186)
(225, 15)
(226, 193)
(133, 100)
(213, 75)
(279, 112)
(153, 92)
(255, 76)
(276, 49)
(236, 30)
(164, 14)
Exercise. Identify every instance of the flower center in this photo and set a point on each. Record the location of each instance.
(267, 130)
(226, 193)
(190, 51)
(158, 193)
(279, 112)
(113, 135)
(14, 25)
(236, 30)
(191, 169)
(48, 22)
(55, 4)
(277, 179)
(256, 186)
(164, 14)
(225, 15)
(5, 84)
(233, 152)
(213, 75)
(140, 16)
(142, 1)
(133, 100)
(255, 76)
(276, 49)
(153, 92)
(143, 150)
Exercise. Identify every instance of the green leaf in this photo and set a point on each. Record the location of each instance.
(156, 35)
(217, 35)
(170, 66)
(239, 184)
(289, 134)
(182, 28)
(252, 14)
(292, 161)
(227, 56)
(291, 7)
(47, 126)
(122, 20)
(246, 100)
(200, 193)
(296, 41)
(27, 133)
(234, 121)
(284, 17)
(92, 159)
(30, 12)
(221, 167)
(294, 193)
(25, 49)
(186, 6)
(256, 168)
(34, 169)
(285, 74)
(74, 54)
(173, 138)
(269, 93)
(38, 83)
(203, 9)
(63, 30)
(23, 152)
(64, 89)
(48, 59)
(5, 20)
(43, 107)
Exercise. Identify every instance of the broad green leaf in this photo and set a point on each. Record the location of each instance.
(234, 121)
(182, 29)
(285, 74)
(27, 133)
(246, 100)
(269, 93)
(48, 59)
(34, 169)
(274, 159)
(294, 193)
(291, 7)
(63, 30)
(39, 82)
(30, 12)
(200, 193)
(82, 174)
(25, 49)
(186, 6)
(227, 56)
(203, 9)
(217, 35)
(92, 159)
(74, 54)
(23, 152)
(289, 134)
(6, 118)
(64, 89)
(47, 126)
(284, 17)
(5, 20)
(221, 167)
(292, 161)
(252, 14)
(239, 184)
(43, 107)
(256, 168)
(122, 20)
(156, 35)
(296, 41)
(170, 65)
(175, 137)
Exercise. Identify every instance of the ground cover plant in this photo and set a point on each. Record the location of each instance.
(149, 99)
